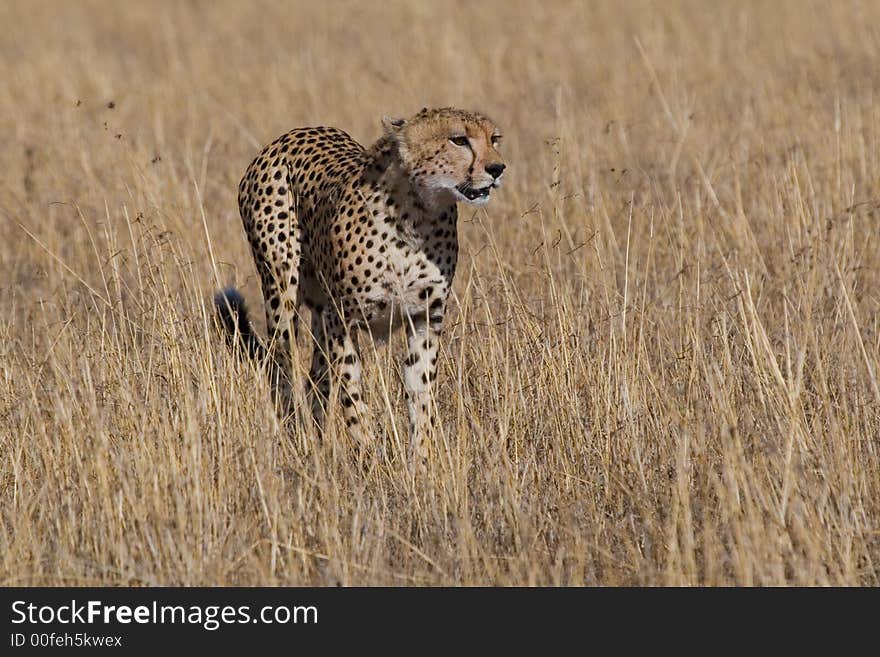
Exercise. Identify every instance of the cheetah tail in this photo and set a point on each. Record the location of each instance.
(233, 318)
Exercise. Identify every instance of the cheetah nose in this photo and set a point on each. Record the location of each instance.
(495, 169)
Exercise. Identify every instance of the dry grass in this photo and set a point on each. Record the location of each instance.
(661, 362)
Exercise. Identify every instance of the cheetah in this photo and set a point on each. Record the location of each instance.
(366, 239)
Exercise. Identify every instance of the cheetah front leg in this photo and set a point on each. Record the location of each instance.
(419, 372)
(336, 355)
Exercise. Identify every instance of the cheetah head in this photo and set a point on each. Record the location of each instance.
(450, 154)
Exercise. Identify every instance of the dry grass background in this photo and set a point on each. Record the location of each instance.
(661, 360)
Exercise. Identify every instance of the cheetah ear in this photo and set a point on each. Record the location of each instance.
(392, 125)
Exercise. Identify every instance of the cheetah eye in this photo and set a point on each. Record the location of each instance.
(459, 141)
(496, 139)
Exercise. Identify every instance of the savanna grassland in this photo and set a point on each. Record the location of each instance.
(661, 354)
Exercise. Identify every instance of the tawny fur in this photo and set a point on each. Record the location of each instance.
(367, 240)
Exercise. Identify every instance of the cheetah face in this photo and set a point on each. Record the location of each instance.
(451, 153)
(475, 160)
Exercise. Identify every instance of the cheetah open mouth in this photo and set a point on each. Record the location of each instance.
(472, 193)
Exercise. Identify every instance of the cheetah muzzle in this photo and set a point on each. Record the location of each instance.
(364, 238)
(473, 193)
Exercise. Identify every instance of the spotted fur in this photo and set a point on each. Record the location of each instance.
(367, 240)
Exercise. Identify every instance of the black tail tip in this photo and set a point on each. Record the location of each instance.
(231, 310)
(229, 296)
